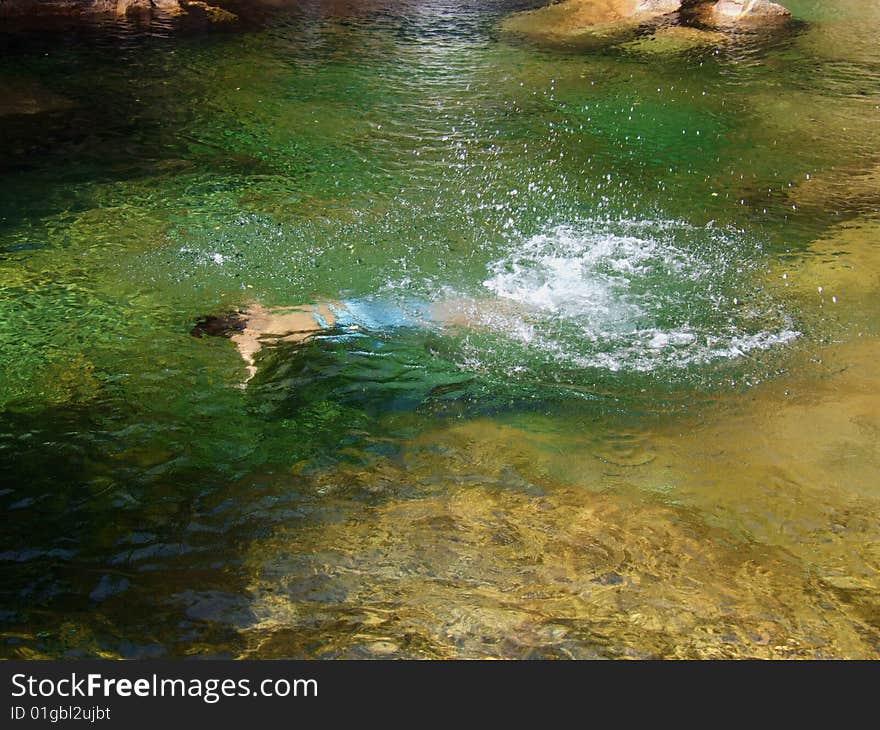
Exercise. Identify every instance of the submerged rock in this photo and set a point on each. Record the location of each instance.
(841, 131)
(71, 380)
(108, 587)
(842, 267)
(849, 35)
(572, 19)
(26, 96)
(840, 190)
(675, 39)
(213, 13)
(571, 572)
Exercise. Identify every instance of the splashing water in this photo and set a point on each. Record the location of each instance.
(631, 295)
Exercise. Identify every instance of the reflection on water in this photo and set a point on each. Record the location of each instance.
(647, 427)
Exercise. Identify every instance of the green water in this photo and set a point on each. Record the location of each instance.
(597, 466)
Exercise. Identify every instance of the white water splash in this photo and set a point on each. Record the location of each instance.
(632, 296)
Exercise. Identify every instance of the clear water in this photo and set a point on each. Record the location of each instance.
(655, 437)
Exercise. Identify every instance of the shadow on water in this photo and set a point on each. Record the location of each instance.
(95, 516)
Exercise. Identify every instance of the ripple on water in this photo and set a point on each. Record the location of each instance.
(327, 510)
(477, 568)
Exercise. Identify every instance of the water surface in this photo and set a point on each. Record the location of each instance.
(656, 436)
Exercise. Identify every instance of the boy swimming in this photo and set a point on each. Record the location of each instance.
(256, 326)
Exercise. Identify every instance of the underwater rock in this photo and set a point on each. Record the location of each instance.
(675, 39)
(212, 12)
(851, 36)
(574, 18)
(68, 380)
(840, 131)
(25, 96)
(727, 12)
(827, 411)
(840, 190)
(841, 267)
(570, 573)
(108, 587)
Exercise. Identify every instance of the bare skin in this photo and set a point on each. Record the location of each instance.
(281, 324)
(257, 326)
